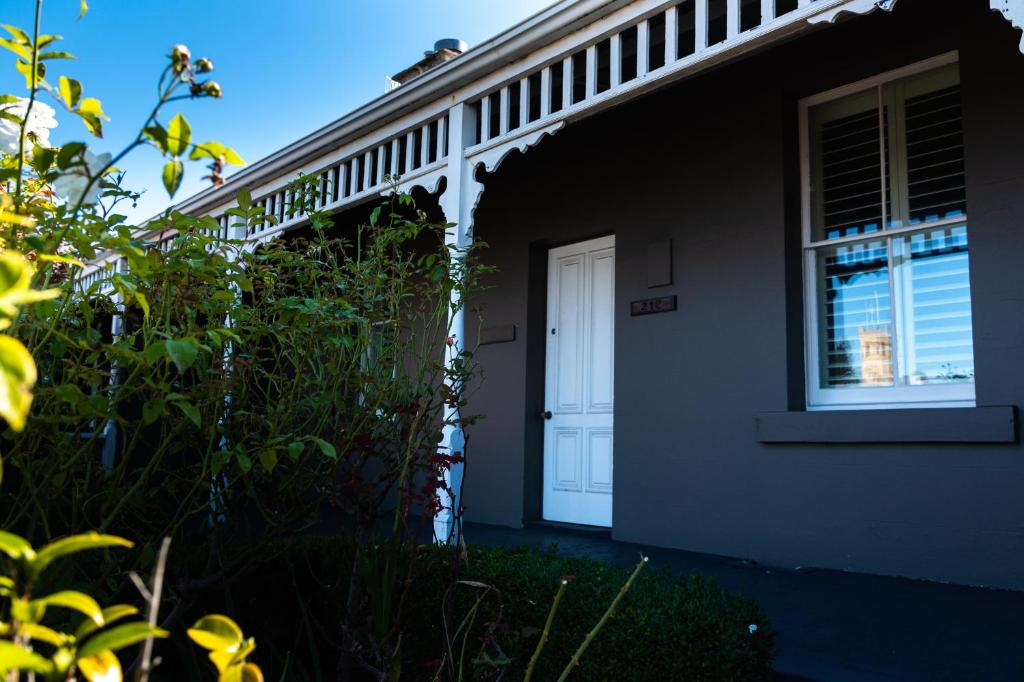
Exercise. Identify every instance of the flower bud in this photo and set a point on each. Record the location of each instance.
(212, 88)
(204, 65)
(180, 54)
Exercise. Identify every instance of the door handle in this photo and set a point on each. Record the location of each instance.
(546, 414)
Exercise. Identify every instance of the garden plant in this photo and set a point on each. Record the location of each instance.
(176, 385)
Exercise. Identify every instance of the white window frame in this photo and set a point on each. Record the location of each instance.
(875, 397)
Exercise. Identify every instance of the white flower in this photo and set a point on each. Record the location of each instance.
(72, 183)
(40, 120)
(752, 628)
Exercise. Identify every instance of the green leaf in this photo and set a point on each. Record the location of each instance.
(182, 352)
(158, 135)
(54, 55)
(16, 547)
(244, 199)
(17, 376)
(268, 458)
(216, 150)
(14, 657)
(244, 463)
(189, 411)
(44, 40)
(295, 449)
(216, 633)
(152, 409)
(27, 611)
(15, 286)
(173, 172)
(35, 631)
(110, 614)
(92, 114)
(154, 352)
(18, 34)
(42, 158)
(140, 298)
(68, 154)
(17, 49)
(179, 135)
(73, 544)
(325, 448)
(70, 90)
(76, 601)
(118, 638)
(25, 69)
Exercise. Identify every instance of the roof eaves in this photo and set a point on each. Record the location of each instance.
(547, 25)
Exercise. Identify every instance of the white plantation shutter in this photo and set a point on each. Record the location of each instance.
(888, 235)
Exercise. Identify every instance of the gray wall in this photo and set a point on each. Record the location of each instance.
(711, 163)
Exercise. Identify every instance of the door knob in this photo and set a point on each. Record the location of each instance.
(546, 414)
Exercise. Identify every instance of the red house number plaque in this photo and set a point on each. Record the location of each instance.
(650, 306)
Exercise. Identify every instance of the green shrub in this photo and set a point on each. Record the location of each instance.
(668, 627)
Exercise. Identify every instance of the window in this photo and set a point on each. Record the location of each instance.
(888, 301)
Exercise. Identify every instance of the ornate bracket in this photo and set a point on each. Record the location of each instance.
(851, 7)
(1013, 12)
(491, 157)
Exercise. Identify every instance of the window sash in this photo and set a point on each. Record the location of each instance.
(899, 394)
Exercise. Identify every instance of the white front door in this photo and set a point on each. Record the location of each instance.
(578, 388)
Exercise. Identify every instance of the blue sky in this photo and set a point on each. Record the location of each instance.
(286, 68)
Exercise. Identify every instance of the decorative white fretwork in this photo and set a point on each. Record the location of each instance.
(852, 7)
(1013, 12)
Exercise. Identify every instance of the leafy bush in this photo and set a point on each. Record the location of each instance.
(668, 627)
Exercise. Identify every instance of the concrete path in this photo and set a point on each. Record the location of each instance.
(836, 626)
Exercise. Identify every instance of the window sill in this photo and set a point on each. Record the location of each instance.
(922, 425)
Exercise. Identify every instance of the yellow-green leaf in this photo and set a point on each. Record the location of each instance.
(140, 298)
(118, 638)
(92, 114)
(216, 150)
(110, 614)
(41, 633)
(27, 611)
(17, 49)
(14, 657)
(55, 258)
(182, 352)
(103, 667)
(15, 284)
(216, 633)
(17, 376)
(77, 601)
(75, 543)
(54, 55)
(251, 673)
(70, 90)
(245, 672)
(16, 547)
(173, 172)
(179, 135)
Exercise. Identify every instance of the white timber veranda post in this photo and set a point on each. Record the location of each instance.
(457, 202)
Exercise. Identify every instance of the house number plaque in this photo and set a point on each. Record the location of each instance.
(650, 306)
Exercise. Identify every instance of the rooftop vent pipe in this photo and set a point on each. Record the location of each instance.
(444, 50)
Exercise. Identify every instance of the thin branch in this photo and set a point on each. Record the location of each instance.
(153, 611)
(575, 660)
(28, 108)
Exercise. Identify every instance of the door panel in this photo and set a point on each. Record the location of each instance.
(579, 383)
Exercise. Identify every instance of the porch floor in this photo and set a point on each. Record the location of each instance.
(834, 626)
